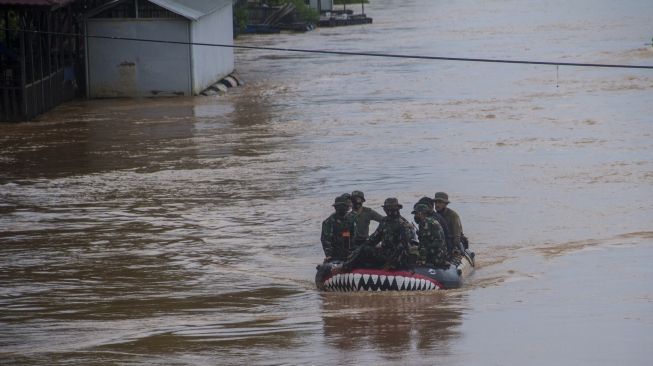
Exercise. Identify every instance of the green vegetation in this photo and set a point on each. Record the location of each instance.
(241, 17)
(12, 25)
(304, 12)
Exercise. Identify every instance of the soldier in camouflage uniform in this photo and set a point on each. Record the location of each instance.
(389, 246)
(440, 219)
(432, 246)
(347, 196)
(338, 232)
(363, 216)
(456, 235)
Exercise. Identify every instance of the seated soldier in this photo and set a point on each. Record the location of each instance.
(347, 197)
(389, 245)
(338, 232)
(441, 220)
(432, 246)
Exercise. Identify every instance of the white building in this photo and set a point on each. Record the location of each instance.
(129, 68)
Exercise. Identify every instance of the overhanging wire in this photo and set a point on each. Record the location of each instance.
(342, 53)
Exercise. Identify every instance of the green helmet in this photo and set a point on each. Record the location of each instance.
(425, 200)
(340, 201)
(420, 207)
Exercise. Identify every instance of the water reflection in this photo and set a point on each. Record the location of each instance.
(392, 323)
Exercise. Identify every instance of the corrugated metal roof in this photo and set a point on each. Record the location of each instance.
(192, 9)
(35, 2)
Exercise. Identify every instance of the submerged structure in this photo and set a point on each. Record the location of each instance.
(52, 51)
(131, 68)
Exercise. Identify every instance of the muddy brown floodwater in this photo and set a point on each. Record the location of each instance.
(186, 231)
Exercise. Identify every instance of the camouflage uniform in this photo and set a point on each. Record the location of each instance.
(396, 235)
(432, 246)
(455, 228)
(338, 235)
(439, 218)
(445, 229)
(454, 225)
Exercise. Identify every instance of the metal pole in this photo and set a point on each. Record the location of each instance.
(41, 68)
(23, 72)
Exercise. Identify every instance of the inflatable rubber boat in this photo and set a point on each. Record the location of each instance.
(331, 277)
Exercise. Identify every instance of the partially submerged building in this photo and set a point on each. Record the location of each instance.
(171, 65)
(50, 53)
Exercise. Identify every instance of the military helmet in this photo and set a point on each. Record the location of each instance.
(420, 207)
(340, 201)
(441, 196)
(346, 196)
(358, 194)
(425, 200)
(392, 203)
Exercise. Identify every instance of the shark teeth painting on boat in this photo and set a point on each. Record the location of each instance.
(331, 277)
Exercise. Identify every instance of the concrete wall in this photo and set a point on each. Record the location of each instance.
(211, 64)
(118, 68)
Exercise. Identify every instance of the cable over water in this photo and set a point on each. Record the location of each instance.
(346, 53)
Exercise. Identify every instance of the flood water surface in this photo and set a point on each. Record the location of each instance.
(186, 231)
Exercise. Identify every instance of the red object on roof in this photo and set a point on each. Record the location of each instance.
(35, 2)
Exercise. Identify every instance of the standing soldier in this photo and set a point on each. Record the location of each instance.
(441, 200)
(363, 216)
(338, 232)
(432, 246)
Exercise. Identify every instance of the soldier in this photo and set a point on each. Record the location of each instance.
(347, 197)
(432, 246)
(443, 223)
(393, 238)
(441, 200)
(338, 231)
(363, 216)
